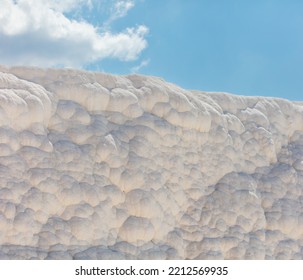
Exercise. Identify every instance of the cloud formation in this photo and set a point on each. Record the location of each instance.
(142, 64)
(36, 32)
(121, 8)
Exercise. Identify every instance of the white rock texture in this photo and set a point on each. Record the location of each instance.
(96, 166)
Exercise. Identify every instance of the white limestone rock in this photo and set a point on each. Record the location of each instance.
(97, 166)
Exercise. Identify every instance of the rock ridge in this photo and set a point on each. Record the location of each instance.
(98, 166)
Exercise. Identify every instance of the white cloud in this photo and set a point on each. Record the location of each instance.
(118, 10)
(142, 64)
(37, 32)
(121, 8)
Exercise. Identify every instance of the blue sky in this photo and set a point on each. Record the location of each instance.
(238, 46)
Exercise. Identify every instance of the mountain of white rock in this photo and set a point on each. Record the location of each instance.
(97, 166)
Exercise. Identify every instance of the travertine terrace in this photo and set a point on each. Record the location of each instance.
(96, 166)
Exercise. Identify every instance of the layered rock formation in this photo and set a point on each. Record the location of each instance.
(96, 166)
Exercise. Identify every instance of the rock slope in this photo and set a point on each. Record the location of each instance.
(96, 166)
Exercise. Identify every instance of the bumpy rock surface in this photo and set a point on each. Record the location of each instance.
(96, 166)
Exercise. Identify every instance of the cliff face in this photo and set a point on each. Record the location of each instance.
(97, 166)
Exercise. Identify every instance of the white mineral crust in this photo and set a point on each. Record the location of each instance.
(97, 166)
